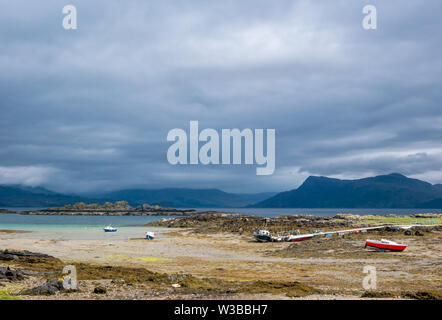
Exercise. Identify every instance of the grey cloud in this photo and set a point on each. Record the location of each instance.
(95, 105)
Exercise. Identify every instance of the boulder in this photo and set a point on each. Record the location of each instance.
(7, 255)
(10, 274)
(50, 288)
(100, 290)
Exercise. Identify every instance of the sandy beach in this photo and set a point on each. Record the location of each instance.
(332, 268)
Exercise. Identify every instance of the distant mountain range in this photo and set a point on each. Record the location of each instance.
(20, 196)
(386, 191)
(181, 198)
(256, 197)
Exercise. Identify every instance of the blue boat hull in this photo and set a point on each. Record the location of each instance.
(263, 238)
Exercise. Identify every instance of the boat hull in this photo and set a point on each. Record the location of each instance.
(386, 246)
(263, 238)
(149, 236)
(299, 239)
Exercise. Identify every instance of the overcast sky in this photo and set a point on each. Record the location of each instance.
(89, 109)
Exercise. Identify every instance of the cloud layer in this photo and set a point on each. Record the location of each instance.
(90, 109)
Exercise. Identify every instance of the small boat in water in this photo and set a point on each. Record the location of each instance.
(384, 244)
(110, 229)
(262, 235)
(150, 235)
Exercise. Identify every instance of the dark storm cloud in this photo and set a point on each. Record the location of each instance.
(90, 109)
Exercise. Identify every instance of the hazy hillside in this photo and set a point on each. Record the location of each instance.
(19, 196)
(387, 191)
(175, 197)
(256, 197)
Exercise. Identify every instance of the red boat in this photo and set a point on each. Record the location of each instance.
(385, 245)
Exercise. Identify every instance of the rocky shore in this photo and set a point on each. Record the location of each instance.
(44, 278)
(213, 255)
(214, 222)
(6, 211)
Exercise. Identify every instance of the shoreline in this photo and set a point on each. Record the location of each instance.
(221, 260)
(221, 211)
(8, 231)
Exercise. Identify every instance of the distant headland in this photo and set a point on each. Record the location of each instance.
(119, 208)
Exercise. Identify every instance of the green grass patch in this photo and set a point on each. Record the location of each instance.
(5, 292)
(9, 298)
(371, 219)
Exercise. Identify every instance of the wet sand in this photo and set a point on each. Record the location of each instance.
(12, 231)
(332, 265)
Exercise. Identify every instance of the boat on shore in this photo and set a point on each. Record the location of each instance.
(110, 229)
(265, 236)
(262, 235)
(300, 237)
(150, 235)
(384, 244)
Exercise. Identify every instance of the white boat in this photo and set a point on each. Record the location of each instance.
(110, 229)
(150, 235)
(300, 237)
(262, 235)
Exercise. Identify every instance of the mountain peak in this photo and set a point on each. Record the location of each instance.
(385, 191)
(318, 180)
(396, 175)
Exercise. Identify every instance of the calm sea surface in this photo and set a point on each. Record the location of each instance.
(26, 222)
(76, 227)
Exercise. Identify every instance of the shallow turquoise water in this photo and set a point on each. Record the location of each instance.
(35, 222)
(76, 227)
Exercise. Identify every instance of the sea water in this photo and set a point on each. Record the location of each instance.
(62, 227)
(319, 212)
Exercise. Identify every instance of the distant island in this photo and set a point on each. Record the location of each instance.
(119, 208)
